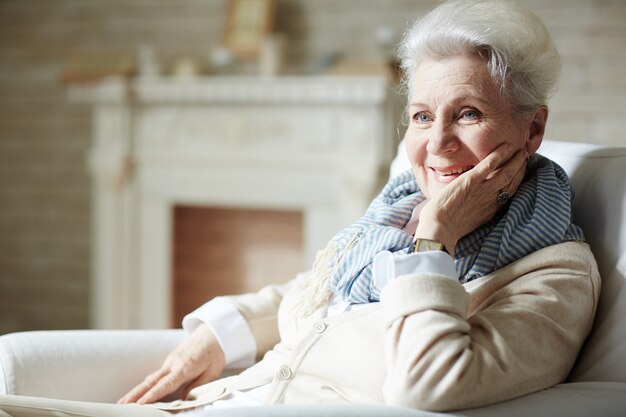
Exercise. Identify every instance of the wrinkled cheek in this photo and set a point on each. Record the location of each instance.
(414, 151)
(417, 155)
(421, 175)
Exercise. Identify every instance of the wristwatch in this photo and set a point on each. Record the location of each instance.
(425, 245)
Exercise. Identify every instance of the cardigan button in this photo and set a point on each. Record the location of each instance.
(320, 327)
(284, 373)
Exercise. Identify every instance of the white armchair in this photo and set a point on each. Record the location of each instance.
(68, 364)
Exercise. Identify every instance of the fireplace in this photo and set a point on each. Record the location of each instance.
(227, 250)
(309, 152)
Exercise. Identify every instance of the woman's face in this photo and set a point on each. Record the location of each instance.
(457, 117)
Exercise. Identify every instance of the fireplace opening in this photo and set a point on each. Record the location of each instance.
(223, 251)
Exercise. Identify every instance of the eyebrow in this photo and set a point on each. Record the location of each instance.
(463, 98)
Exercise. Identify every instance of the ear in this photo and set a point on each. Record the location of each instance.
(536, 129)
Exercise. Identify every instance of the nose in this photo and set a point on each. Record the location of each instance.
(442, 139)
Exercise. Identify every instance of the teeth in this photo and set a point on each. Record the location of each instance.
(454, 171)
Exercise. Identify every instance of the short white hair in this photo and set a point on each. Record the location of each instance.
(516, 45)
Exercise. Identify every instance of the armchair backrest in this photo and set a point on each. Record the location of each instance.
(598, 174)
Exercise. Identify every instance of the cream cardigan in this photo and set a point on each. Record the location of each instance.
(431, 343)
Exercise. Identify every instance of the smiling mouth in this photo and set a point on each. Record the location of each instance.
(456, 171)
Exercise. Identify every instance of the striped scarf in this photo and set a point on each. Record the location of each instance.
(538, 215)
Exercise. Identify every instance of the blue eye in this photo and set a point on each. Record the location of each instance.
(422, 118)
(470, 114)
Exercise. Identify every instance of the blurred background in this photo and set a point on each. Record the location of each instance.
(48, 48)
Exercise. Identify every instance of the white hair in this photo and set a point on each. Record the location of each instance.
(515, 43)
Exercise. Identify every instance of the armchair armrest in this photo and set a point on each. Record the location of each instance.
(86, 365)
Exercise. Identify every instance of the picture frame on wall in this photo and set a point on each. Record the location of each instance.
(248, 22)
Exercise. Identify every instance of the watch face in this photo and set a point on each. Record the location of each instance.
(425, 245)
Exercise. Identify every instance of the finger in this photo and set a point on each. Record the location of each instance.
(139, 390)
(487, 168)
(507, 176)
(166, 385)
(519, 176)
(204, 378)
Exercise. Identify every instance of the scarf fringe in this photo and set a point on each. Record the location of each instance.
(317, 289)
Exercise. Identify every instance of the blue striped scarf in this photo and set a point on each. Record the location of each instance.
(538, 215)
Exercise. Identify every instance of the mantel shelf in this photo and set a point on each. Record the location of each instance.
(331, 90)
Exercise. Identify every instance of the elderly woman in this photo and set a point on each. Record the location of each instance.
(465, 283)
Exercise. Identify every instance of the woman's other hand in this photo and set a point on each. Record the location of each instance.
(196, 361)
(471, 200)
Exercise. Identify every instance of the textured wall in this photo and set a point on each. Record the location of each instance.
(44, 186)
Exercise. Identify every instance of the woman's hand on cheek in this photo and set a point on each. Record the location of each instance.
(471, 200)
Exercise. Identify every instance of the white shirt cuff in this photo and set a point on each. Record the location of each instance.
(388, 266)
(230, 329)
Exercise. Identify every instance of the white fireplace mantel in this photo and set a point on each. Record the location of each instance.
(320, 145)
